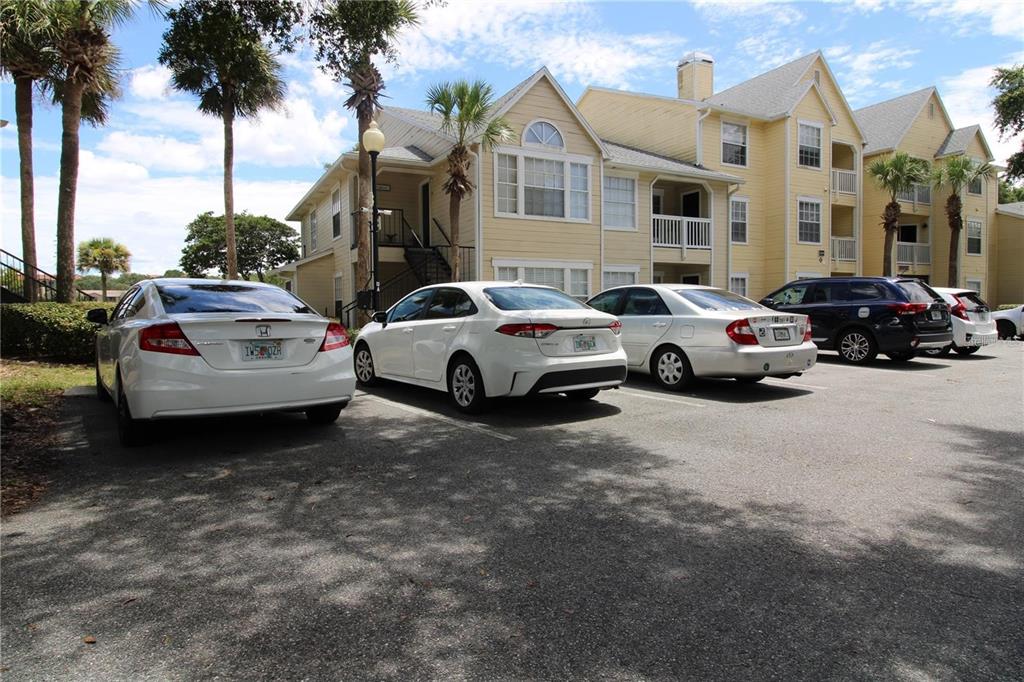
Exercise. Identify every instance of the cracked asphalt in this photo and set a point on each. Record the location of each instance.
(853, 523)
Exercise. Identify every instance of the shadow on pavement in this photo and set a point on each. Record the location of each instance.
(918, 364)
(384, 548)
(720, 390)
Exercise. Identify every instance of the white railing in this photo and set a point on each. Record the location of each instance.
(844, 181)
(913, 253)
(918, 194)
(844, 248)
(669, 230)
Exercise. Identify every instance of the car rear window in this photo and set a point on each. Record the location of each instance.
(228, 298)
(973, 302)
(530, 298)
(918, 293)
(717, 299)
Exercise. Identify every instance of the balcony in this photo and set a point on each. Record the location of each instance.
(670, 230)
(913, 253)
(918, 194)
(844, 248)
(844, 181)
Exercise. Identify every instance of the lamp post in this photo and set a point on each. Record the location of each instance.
(373, 143)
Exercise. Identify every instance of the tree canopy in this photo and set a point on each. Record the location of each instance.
(1009, 106)
(262, 243)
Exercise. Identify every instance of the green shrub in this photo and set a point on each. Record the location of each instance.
(48, 330)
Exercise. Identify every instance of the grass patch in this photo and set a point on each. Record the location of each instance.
(34, 384)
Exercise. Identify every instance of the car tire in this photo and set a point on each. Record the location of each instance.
(366, 371)
(749, 380)
(583, 394)
(130, 431)
(939, 352)
(101, 392)
(671, 369)
(857, 346)
(969, 350)
(1005, 329)
(323, 415)
(466, 386)
(902, 356)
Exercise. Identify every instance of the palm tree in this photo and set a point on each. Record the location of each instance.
(957, 173)
(895, 174)
(26, 55)
(217, 50)
(346, 35)
(105, 255)
(466, 111)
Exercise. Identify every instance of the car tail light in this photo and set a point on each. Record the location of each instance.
(958, 309)
(335, 337)
(908, 308)
(527, 330)
(807, 330)
(166, 338)
(616, 327)
(740, 332)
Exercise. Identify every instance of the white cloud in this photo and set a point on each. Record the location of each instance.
(863, 73)
(784, 13)
(151, 82)
(158, 152)
(961, 17)
(968, 99)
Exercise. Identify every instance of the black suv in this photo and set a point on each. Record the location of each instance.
(862, 316)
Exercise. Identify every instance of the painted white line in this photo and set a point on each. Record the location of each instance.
(641, 394)
(787, 382)
(468, 426)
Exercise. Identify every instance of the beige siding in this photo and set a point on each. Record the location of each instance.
(811, 183)
(845, 128)
(315, 284)
(1009, 284)
(656, 124)
(776, 231)
(633, 248)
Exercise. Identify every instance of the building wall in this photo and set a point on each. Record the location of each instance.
(811, 183)
(1009, 253)
(625, 248)
(656, 124)
(314, 284)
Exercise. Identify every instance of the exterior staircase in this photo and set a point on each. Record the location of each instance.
(23, 283)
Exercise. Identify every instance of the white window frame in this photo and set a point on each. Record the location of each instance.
(338, 212)
(535, 145)
(339, 286)
(746, 142)
(979, 282)
(313, 231)
(821, 219)
(746, 219)
(635, 177)
(821, 144)
(538, 152)
(567, 266)
(967, 237)
(745, 276)
(981, 183)
(619, 269)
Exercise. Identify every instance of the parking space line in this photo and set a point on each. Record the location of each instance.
(468, 426)
(641, 394)
(787, 382)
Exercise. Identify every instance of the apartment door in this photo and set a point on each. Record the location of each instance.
(425, 212)
(691, 204)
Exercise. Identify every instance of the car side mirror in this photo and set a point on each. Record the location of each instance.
(380, 317)
(97, 316)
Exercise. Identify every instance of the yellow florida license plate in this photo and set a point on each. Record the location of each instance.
(584, 342)
(261, 350)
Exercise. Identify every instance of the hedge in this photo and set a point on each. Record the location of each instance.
(48, 330)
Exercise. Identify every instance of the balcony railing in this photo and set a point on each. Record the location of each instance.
(670, 230)
(844, 181)
(913, 253)
(844, 248)
(918, 194)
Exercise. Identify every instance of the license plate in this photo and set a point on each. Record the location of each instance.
(936, 314)
(584, 342)
(781, 334)
(261, 350)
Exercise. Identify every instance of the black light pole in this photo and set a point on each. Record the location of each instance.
(373, 142)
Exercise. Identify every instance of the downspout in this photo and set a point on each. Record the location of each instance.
(600, 226)
(478, 210)
(788, 200)
(651, 240)
(858, 216)
(700, 136)
(729, 191)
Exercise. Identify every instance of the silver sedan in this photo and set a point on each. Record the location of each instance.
(676, 332)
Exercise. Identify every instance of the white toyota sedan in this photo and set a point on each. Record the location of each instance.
(481, 340)
(198, 347)
(676, 332)
(973, 325)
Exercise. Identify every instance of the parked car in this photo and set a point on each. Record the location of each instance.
(973, 326)
(1009, 322)
(862, 316)
(676, 332)
(481, 340)
(198, 347)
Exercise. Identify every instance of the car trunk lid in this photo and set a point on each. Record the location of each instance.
(576, 333)
(233, 341)
(775, 330)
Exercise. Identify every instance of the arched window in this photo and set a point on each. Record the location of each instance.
(544, 134)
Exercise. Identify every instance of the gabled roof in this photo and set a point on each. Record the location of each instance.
(959, 140)
(886, 124)
(772, 94)
(631, 156)
(1014, 209)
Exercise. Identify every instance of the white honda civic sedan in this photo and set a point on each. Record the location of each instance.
(198, 347)
(676, 332)
(481, 340)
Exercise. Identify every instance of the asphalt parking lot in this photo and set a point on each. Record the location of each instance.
(853, 523)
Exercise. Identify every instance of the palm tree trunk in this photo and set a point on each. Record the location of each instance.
(887, 250)
(454, 209)
(23, 113)
(229, 189)
(363, 217)
(71, 120)
(955, 219)
(103, 285)
(890, 222)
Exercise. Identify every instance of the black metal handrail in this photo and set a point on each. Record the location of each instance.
(466, 254)
(29, 282)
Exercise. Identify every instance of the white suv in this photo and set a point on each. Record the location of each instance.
(973, 326)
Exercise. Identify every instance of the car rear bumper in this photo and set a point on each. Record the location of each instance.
(557, 374)
(902, 340)
(981, 339)
(743, 361)
(165, 386)
(974, 333)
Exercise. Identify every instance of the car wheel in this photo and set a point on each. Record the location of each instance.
(583, 394)
(857, 347)
(749, 380)
(970, 350)
(1005, 329)
(466, 386)
(671, 369)
(366, 373)
(101, 392)
(130, 431)
(322, 415)
(939, 352)
(902, 356)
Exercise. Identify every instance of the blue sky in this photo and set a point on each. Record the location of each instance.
(156, 164)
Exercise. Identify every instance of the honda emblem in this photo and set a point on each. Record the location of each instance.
(263, 330)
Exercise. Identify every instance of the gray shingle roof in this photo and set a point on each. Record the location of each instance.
(427, 119)
(1016, 208)
(631, 156)
(406, 153)
(958, 141)
(884, 124)
(771, 94)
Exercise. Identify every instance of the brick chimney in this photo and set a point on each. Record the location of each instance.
(695, 76)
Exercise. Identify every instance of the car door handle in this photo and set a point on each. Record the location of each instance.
(660, 324)
(448, 328)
